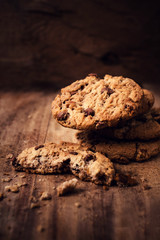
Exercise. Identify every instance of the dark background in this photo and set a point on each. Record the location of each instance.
(49, 44)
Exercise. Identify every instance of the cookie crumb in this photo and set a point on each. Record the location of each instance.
(67, 187)
(1, 196)
(23, 176)
(9, 156)
(35, 205)
(13, 188)
(22, 184)
(77, 204)
(7, 188)
(33, 199)
(6, 179)
(46, 196)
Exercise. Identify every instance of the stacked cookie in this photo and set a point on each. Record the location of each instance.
(117, 124)
(115, 114)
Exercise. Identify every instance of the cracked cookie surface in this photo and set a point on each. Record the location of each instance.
(94, 103)
(66, 157)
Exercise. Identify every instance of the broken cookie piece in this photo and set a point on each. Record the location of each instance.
(67, 187)
(94, 167)
(14, 188)
(66, 157)
(6, 179)
(34, 205)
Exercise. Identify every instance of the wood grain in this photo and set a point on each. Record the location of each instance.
(52, 43)
(119, 214)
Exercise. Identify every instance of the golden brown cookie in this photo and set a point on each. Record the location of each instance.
(125, 152)
(66, 157)
(122, 151)
(94, 103)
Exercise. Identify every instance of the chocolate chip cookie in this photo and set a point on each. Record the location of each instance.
(147, 102)
(143, 127)
(122, 151)
(94, 103)
(125, 152)
(66, 157)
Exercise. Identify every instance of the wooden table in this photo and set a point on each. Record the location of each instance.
(119, 214)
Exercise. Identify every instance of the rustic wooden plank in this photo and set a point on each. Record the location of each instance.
(53, 43)
(25, 129)
(120, 213)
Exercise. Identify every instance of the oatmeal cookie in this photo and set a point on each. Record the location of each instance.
(94, 103)
(123, 151)
(143, 127)
(66, 157)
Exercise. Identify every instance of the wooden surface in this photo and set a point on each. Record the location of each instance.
(119, 214)
(52, 43)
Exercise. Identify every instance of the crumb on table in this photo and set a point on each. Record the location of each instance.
(13, 188)
(45, 196)
(67, 187)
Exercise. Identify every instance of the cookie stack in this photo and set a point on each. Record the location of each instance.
(115, 115)
(116, 123)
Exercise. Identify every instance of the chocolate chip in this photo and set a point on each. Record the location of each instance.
(82, 87)
(92, 74)
(16, 165)
(76, 170)
(65, 166)
(129, 107)
(89, 111)
(88, 158)
(73, 153)
(14, 162)
(39, 146)
(63, 115)
(108, 90)
(143, 152)
(102, 177)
